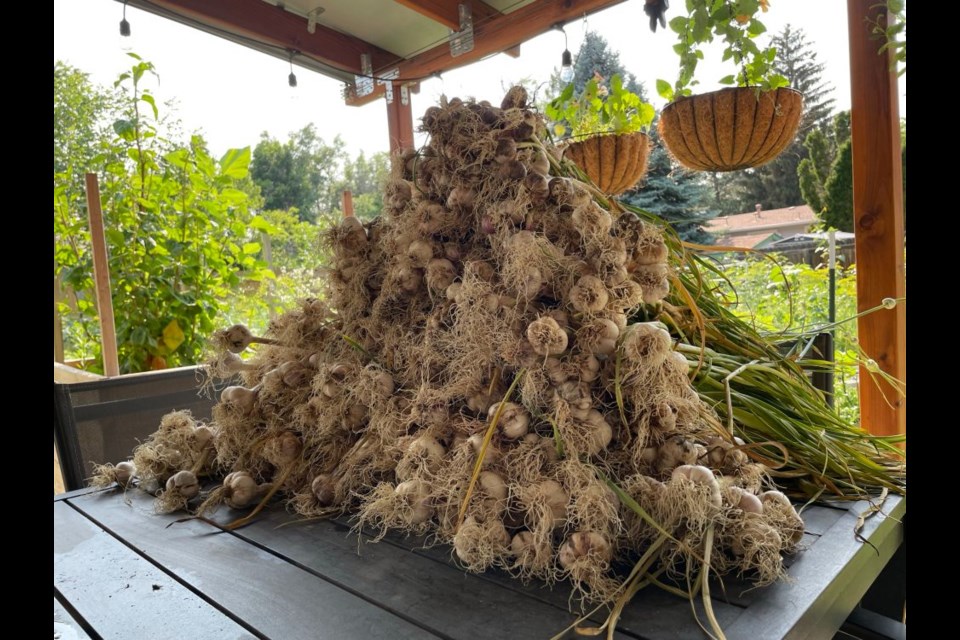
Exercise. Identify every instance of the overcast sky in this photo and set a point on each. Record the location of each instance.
(231, 94)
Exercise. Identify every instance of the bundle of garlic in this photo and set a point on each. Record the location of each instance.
(472, 373)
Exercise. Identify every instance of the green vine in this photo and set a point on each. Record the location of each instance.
(735, 23)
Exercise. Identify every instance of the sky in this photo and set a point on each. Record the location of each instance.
(232, 94)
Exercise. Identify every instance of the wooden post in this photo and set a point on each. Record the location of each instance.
(400, 121)
(101, 278)
(347, 201)
(878, 217)
(57, 326)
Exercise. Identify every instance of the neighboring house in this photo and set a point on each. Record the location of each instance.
(756, 229)
(784, 231)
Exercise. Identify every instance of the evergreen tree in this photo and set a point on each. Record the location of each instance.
(837, 209)
(823, 146)
(596, 57)
(777, 184)
(674, 194)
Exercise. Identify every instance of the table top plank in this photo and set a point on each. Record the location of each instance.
(400, 580)
(270, 594)
(65, 626)
(672, 620)
(817, 519)
(826, 580)
(125, 595)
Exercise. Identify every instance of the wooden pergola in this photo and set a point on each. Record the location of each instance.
(383, 50)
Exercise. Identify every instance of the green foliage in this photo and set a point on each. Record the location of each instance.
(735, 23)
(365, 179)
(891, 29)
(837, 212)
(782, 299)
(175, 222)
(599, 109)
(673, 194)
(300, 173)
(823, 146)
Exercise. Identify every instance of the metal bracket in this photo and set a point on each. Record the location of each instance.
(386, 79)
(462, 41)
(364, 83)
(312, 18)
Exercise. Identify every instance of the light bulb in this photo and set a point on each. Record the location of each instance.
(566, 67)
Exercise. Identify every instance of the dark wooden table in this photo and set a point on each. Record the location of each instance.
(121, 572)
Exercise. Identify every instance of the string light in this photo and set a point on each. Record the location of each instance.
(124, 25)
(566, 61)
(292, 78)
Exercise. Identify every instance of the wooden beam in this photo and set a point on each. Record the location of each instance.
(878, 217)
(101, 278)
(490, 36)
(446, 12)
(266, 23)
(513, 52)
(399, 123)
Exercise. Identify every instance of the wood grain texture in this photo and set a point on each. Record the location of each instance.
(101, 278)
(878, 218)
(405, 581)
(277, 598)
(121, 594)
(652, 615)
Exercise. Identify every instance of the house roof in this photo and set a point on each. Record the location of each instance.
(769, 219)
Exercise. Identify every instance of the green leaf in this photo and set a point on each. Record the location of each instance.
(664, 89)
(756, 28)
(235, 163)
(125, 129)
(231, 196)
(146, 97)
(251, 248)
(679, 24)
(728, 79)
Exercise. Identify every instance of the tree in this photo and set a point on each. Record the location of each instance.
(776, 184)
(674, 194)
(837, 209)
(176, 226)
(82, 115)
(823, 145)
(595, 57)
(365, 179)
(300, 173)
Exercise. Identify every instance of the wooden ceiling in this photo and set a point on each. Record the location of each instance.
(404, 41)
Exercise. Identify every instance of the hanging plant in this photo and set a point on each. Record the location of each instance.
(606, 127)
(744, 126)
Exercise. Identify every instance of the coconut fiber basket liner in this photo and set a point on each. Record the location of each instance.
(614, 162)
(731, 129)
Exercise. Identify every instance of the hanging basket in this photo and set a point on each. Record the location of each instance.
(614, 162)
(731, 129)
